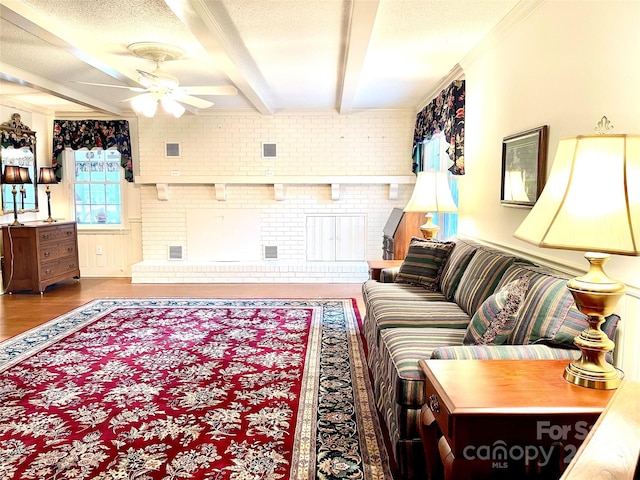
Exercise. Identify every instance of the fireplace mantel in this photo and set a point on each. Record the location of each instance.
(162, 182)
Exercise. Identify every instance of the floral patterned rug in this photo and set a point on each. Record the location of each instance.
(191, 388)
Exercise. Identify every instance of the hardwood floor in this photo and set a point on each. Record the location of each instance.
(21, 311)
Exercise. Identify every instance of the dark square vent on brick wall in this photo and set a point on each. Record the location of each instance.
(269, 150)
(270, 252)
(172, 150)
(176, 252)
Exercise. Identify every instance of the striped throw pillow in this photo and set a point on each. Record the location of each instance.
(423, 263)
(549, 315)
(496, 318)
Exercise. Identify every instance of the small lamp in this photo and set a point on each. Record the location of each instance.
(591, 202)
(431, 193)
(11, 176)
(47, 176)
(24, 178)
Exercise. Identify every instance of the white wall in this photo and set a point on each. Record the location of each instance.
(309, 145)
(566, 65)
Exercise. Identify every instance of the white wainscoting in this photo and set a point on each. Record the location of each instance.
(109, 253)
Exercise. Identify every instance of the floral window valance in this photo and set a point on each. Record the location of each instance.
(444, 114)
(77, 134)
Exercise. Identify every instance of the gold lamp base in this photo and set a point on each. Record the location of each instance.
(429, 229)
(596, 295)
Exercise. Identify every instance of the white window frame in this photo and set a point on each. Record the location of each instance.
(68, 165)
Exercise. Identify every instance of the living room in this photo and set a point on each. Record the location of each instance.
(561, 64)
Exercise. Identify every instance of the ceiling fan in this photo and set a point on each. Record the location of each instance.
(159, 86)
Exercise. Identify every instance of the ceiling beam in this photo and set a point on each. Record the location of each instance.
(54, 33)
(60, 35)
(359, 29)
(22, 77)
(210, 24)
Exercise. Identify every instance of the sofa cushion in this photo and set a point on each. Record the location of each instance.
(480, 278)
(455, 266)
(549, 315)
(518, 269)
(423, 262)
(496, 318)
(504, 352)
(392, 313)
(401, 349)
(372, 290)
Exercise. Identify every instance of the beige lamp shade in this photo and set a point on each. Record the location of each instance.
(591, 201)
(431, 193)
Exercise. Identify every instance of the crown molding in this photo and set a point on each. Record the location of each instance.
(508, 24)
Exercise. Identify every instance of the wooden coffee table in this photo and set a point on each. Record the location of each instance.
(504, 418)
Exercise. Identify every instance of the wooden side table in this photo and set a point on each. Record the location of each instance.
(504, 418)
(376, 266)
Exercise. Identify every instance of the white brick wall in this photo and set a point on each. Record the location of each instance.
(308, 144)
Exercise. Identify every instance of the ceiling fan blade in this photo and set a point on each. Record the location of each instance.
(219, 90)
(128, 99)
(193, 101)
(133, 89)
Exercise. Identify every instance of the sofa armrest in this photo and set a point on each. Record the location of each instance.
(388, 275)
(504, 352)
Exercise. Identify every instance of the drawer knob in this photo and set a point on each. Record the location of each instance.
(433, 404)
(46, 254)
(45, 236)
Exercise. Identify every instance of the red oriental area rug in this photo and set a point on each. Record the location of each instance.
(191, 388)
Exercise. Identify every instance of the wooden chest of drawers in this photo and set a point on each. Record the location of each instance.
(38, 255)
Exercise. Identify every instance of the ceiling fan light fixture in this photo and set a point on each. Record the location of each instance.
(171, 106)
(145, 104)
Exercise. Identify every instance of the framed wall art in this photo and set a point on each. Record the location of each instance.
(524, 167)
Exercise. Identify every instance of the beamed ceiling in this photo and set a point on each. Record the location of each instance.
(281, 55)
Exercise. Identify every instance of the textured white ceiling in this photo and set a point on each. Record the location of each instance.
(282, 55)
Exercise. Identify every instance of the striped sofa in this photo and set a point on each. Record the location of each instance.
(475, 284)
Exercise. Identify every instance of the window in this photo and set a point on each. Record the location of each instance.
(97, 187)
(435, 157)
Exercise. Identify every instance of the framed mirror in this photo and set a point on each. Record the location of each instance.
(18, 148)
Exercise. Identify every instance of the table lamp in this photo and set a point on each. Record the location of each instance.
(24, 179)
(12, 176)
(591, 202)
(47, 176)
(431, 193)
